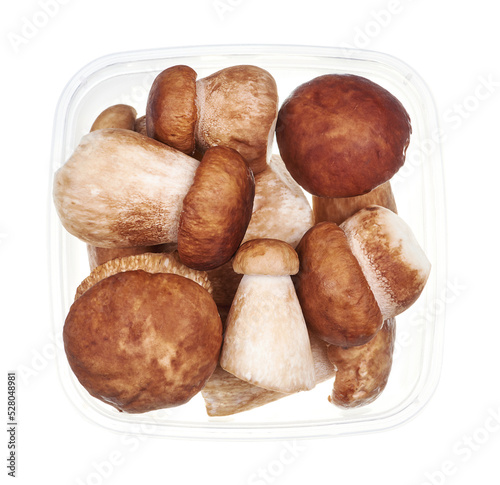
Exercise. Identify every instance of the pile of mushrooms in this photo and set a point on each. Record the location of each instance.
(210, 271)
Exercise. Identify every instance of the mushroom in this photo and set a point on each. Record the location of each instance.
(237, 108)
(122, 189)
(337, 302)
(266, 341)
(171, 109)
(225, 394)
(342, 135)
(141, 340)
(363, 371)
(390, 257)
(216, 210)
(116, 116)
(338, 209)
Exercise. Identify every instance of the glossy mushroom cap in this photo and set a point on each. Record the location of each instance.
(342, 135)
(171, 109)
(337, 302)
(140, 341)
(216, 210)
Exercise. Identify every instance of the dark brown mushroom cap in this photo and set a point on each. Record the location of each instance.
(337, 302)
(216, 210)
(342, 135)
(171, 108)
(142, 341)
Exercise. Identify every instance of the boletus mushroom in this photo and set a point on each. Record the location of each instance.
(341, 136)
(142, 341)
(266, 341)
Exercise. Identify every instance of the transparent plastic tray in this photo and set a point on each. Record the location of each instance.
(418, 188)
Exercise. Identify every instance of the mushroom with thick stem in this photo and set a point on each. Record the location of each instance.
(343, 136)
(266, 342)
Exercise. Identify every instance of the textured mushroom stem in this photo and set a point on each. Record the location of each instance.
(266, 341)
(338, 209)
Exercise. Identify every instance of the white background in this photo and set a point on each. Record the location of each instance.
(454, 48)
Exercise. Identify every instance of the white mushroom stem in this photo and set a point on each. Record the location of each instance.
(266, 341)
(122, 189)
(338, 209)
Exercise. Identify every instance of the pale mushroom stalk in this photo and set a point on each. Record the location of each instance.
(338, 209)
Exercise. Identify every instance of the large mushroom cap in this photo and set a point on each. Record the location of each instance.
(390, 256)
(142, 341)
(342, 135)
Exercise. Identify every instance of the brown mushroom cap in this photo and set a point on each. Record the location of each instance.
(390, 256)
(337, 302)
(342, 135)
(216, 210)
(116, 116)
(363, 371)
(142, 341)
(266, 257)
(237, 108)
(140, 125)
(171, 108)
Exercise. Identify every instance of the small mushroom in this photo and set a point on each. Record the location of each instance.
(390, 256)
(266, 341)
(121, 189)
(141, 340)
(338, 304)
(338, 209)
(237, 108)
(216, 210)
(342, 135)
(171, 108)
(116, 116)
(363, 371)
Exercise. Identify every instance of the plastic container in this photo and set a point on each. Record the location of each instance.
(418, 188)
